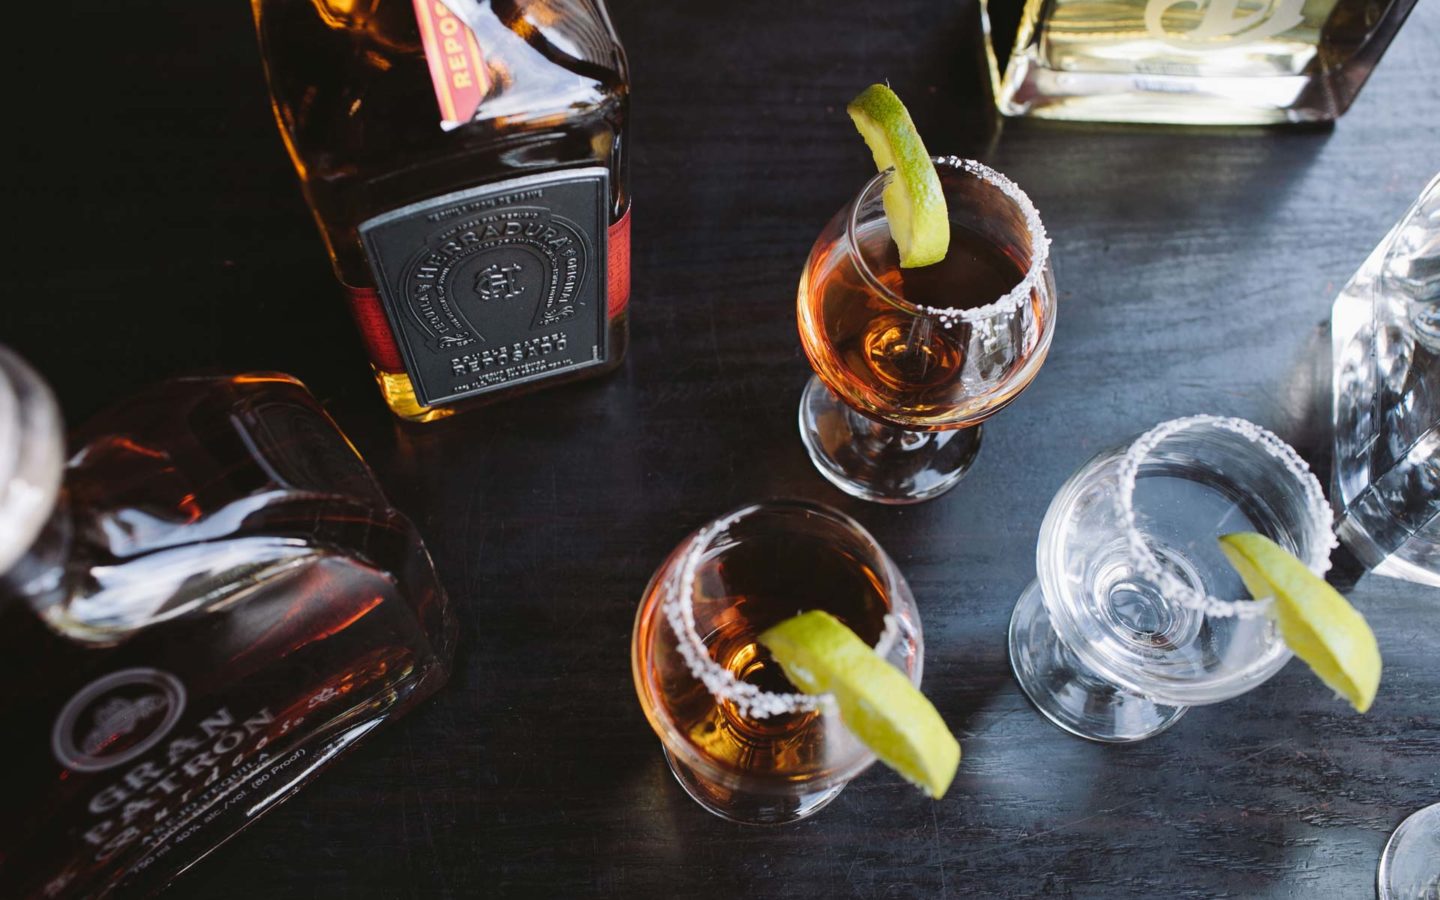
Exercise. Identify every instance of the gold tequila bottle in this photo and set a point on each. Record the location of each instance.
(1199, 62)
(465, 162)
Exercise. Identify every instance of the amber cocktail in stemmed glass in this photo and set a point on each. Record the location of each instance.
(737, 735)
(908, 362)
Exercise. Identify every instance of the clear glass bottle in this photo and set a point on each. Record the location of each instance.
(1385, 333)
(1193, 62)
(211, 603)
(465, 161)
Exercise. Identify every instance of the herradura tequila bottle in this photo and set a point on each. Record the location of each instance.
(1198, 62)
(465, 161)
(199, 609)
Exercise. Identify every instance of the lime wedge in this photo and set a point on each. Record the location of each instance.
(914, 203)
(877, 702)
(1315, 620)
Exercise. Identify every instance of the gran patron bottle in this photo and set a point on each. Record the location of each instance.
(199, 610)
(1198, 62)
(465, 161)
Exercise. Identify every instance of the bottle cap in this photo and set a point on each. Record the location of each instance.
(32, 456)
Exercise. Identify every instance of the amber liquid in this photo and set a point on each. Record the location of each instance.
(356, 105)
(909, 369)
(219, 530)
(750, 587)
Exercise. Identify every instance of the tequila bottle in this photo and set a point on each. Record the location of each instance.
(1197, 62)
(465, 161)
(1386, 341)
(199, 610)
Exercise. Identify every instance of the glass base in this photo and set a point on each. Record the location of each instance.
(1372, 533)
(750, 807)
(1410, 865)
(878, 462)
(1069, 693)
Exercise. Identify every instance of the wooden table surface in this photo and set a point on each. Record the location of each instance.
(158, 228)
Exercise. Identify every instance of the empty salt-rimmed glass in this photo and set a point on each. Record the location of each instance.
(910, 361)
(1136, 614)
(736, 735)
(1410, 864)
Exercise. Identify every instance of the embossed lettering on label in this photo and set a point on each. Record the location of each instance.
(117, 718)
(496, 285)
(1223, 21)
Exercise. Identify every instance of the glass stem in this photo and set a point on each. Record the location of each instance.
(874, 438)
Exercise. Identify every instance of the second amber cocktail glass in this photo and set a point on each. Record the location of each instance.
(738, 737)
(909, 362)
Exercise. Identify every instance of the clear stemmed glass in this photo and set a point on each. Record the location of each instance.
(1136, 614)
(737, 737)
(1410, 865)
(909, 362)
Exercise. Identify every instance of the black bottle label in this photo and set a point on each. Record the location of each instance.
(495, 286)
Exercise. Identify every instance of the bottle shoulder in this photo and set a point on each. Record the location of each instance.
(196, 493)
(388, 83)
(189, 443)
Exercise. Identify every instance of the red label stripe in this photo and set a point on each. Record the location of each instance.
(375, 329)
(618, 277)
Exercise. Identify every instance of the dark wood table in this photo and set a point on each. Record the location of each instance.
(157, 227)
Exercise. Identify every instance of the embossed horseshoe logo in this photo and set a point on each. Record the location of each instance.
(476, 270)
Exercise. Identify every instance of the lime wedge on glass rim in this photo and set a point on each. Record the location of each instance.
(877, 702)
(914, 202)
(1317, 623)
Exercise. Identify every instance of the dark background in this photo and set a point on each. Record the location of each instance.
(156, 227)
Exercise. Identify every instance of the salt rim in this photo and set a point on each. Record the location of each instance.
(1145, 560)
(679, 608)
(1039, 247)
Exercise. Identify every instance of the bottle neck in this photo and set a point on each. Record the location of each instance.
(35, 539)
(38, 576)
